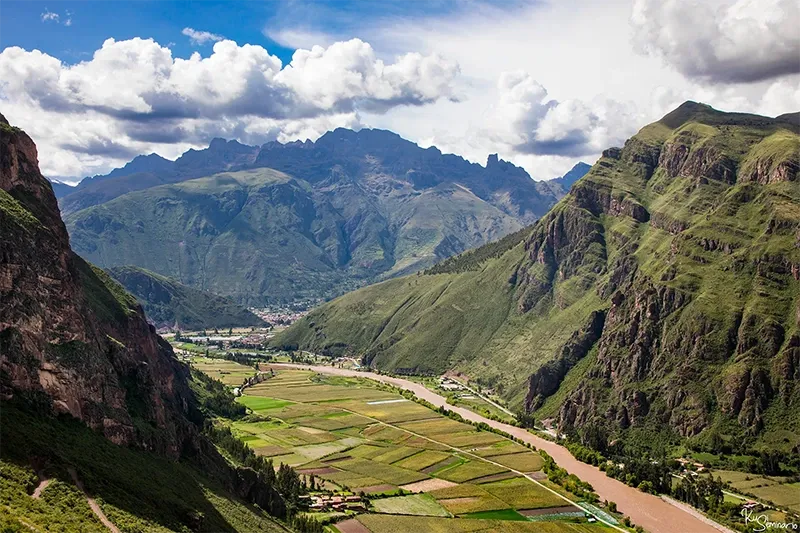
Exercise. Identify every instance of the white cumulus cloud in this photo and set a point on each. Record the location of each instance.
(525, 121)
(133, 96)
(729, 41)
(198, 37)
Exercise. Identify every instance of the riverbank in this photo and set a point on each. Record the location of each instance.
(647, 510)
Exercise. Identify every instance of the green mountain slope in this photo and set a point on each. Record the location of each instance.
(136, 490)
(92, 399)
(262, 236)
(663, 289)
(168, 303)
(351, 208)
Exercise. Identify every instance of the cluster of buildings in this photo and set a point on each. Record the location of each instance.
(449, 385)
(326, 502)
(690, 466)
(252, 341)
(280, 317)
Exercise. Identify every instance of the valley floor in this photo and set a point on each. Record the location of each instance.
(376, 461)
(649, 511)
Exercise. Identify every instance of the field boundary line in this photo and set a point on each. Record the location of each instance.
(565, 498)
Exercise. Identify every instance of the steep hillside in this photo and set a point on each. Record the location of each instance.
(61, 316)
(170, 304)
(92, 399)
(262, 236)
(664, 289)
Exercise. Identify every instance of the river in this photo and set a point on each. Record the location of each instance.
(647, 510)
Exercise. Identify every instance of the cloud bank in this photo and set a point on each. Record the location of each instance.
(134, 96)
(742, 41)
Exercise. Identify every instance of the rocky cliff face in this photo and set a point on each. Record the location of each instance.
(677, 233)
(70, 338)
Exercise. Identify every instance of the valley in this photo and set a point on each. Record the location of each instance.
(306, 266)
(412, 466)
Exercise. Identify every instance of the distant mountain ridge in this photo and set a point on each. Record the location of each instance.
(313, 162)
(299, 220)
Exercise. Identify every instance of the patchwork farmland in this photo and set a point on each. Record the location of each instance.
(416, 467)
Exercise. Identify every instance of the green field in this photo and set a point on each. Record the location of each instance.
(230, 373)
(381, 523)
(416, 504)
(773, 489)
(353, 434)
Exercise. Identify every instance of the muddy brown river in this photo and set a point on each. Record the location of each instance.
(647, 510)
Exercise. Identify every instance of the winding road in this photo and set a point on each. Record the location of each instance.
(651, 512)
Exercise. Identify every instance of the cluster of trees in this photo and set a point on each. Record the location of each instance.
(525, 420)
(703, 493)
(706, 494)
(654, 476)
(286, 481)
(585, 454)
(214, 398)
(306, 524)
(571, 482)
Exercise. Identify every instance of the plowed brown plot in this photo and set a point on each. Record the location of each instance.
(427, 485)
(352, 526)
(377, 489)
(495, 477)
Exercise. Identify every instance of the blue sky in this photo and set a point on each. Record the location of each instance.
(543, 83)
(94, 21)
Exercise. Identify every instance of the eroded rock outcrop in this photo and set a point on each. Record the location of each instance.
(70, 337)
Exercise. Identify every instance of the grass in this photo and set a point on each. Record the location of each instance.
(387, 473)
(416, 504)
(403, 524)
(521, 493)
(524, 461)
(260, 404)
(422, 460)
(470, 470)
(16, 212)
(502, 514)
(773, 489)
(139, 491)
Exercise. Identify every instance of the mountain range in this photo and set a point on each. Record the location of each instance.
(302, 220)
(661, 294)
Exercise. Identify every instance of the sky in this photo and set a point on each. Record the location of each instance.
(544, 84)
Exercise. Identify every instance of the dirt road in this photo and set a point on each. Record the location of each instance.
(651, 512)
(92, 503)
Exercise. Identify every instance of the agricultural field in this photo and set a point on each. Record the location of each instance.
(230, 373)
(776, 489)
(420, 470)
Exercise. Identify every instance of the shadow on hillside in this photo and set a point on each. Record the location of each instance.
(171, 494)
